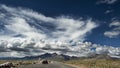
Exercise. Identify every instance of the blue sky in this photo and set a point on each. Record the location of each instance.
(95, 21)
(102, 13)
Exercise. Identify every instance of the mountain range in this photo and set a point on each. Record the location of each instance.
(60, 57)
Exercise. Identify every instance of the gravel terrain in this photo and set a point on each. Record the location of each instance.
(51, 65)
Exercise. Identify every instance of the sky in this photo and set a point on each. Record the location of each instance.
(74, 27)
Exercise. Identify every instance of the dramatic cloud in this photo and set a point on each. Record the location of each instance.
(25, 23)
(106, 1)
(20, 48)
(24, 32)
(115, 31)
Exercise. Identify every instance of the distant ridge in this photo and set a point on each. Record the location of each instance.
(55, 56)
(100, 56)
(49, 56)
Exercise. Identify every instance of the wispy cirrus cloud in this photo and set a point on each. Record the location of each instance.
(108, 11)
(30, 24)
(115, 31)
(106, 1)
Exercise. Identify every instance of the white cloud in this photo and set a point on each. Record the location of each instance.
(26, 32)
(23, 30)
(20, 48)
(115, 31)
(112, 34)
(102, 50)
(106, 1)
(30, 24)
(108, 11)
(114, 23)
